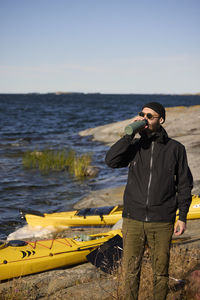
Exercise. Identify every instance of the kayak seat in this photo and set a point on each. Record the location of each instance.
(95, 211)
(16, 243)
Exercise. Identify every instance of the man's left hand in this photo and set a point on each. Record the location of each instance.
(179, 227)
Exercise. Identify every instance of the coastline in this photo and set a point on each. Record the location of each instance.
(86, 281)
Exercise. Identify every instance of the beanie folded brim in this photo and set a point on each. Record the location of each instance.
(157, 107)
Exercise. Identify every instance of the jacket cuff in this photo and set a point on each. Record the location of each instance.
(129, 138)
(182, 217)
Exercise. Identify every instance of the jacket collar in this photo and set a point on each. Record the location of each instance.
(160, 136)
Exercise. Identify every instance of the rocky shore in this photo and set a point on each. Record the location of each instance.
(85, 281)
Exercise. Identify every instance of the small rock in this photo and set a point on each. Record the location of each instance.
(91, 171)
(193, 286)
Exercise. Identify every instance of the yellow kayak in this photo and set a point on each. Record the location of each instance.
(19, 258)
(107, 215)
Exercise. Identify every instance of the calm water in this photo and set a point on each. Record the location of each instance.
(29, 122)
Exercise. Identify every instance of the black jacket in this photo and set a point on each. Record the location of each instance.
(159, 179)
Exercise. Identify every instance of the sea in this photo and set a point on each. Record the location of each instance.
(31, 122)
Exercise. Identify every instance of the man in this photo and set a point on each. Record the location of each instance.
(159, 182)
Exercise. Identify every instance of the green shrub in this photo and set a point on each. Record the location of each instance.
(80, 164)
(48, 160)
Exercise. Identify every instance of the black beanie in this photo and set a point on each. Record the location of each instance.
(157, 107)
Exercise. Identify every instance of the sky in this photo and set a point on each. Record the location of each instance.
(100, 46)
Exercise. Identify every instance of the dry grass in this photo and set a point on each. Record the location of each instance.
(181, 285)
(183, 261)
(18, 290)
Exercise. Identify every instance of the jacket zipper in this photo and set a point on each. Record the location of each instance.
(149, 183)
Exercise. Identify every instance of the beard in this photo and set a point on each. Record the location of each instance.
(152, 128)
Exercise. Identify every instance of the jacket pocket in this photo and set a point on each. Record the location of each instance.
(163, 187)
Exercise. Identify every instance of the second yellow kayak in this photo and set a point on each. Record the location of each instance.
(107, 215)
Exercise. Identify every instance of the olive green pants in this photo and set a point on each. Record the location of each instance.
(158, 236)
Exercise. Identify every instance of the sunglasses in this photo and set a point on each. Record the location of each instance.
(149, 115)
